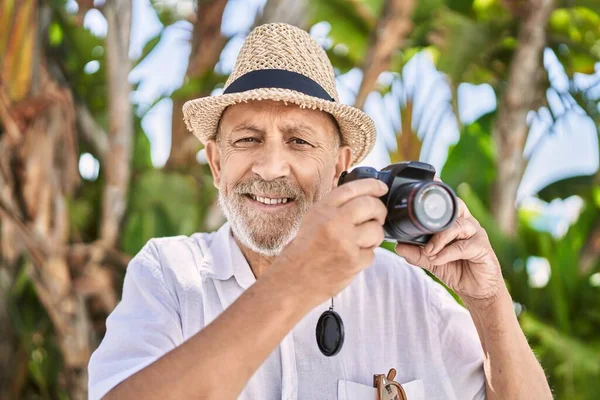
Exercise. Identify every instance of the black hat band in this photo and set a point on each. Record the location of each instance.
(278, 78)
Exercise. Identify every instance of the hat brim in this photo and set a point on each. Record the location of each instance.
(202, 116)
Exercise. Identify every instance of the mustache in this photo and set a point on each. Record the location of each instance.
(280, 187)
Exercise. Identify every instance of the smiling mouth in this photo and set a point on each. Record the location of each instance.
(269, 201)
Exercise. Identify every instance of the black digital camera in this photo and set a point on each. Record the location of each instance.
(418, 206)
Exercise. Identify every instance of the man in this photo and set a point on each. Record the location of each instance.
(233, 313)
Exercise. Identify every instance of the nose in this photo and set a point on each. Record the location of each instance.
(272, 163)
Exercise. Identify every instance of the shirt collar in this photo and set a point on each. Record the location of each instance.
(226, 259)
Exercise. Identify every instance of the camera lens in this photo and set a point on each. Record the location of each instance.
(419, 208)
(433, 206)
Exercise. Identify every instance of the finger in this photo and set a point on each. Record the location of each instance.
(463, 210)
(461, 229)
(369, 234)
(459, 250)
(361, 187)
(363, 209)
(413, 254)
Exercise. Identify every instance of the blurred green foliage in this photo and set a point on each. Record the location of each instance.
(471, 41)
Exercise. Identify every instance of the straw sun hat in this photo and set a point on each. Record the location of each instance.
(283, 63)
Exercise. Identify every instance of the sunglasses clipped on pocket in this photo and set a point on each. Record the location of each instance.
(387, 388)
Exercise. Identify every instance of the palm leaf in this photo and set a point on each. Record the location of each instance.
(351, 24)
(18, 31)
(408, 143)
(573, 355)
(466, 45)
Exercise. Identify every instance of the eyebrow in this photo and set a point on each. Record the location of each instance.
(247, 127)
(288, 129)
(296, 128)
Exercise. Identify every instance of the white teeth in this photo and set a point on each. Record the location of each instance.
(269, 201)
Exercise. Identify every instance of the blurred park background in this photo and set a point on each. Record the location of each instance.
(501, 96)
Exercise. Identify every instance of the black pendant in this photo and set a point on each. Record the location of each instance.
(330, 332)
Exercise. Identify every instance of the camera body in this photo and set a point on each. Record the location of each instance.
(418, 205)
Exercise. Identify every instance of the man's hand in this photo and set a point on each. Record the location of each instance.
(461, 257)
(336, 240)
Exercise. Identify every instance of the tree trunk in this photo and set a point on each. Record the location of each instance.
(392, 28)
(510, 128)
(590, 253)
(293, 12)
(39, 159)
(8, 338)
(120, 132)
(207, 44)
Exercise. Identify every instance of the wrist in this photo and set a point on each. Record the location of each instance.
(500, 300)
(494, 317)
(294, 294)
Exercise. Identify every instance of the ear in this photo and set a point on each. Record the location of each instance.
(344, 158)
(213, 156)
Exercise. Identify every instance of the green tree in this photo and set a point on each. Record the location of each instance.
(65, 242)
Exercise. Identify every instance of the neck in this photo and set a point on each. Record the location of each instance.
(258, 263)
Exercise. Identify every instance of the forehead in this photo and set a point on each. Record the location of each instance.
(266, 112)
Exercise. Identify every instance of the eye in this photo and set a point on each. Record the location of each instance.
(246, 140)
(300, 142)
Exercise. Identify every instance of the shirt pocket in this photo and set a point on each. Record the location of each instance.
(348, 390)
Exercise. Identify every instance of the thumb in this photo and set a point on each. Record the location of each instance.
(413, 255)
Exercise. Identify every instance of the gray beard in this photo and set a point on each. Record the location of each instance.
(263, 233)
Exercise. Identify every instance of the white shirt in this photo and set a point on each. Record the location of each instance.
(394, 315)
